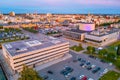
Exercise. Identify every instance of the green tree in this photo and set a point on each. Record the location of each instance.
(29, 74)
(80, 46)
(102, 52)
(1, 26)
(91, 49)
(9, 23)
(118, 50)
(111, 55)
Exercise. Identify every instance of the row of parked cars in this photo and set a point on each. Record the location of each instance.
(88, 65)
(66, 71)
(92, 67)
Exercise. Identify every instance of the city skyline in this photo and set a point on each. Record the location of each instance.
(61, 6)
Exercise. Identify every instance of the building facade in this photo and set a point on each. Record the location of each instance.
(33, 53)
(101, 38)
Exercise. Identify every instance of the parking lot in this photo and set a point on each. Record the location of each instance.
(79, 64)
(59, 72)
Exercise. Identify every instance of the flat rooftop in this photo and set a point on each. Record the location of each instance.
(104, 32)
(78, 31)
(21, 47)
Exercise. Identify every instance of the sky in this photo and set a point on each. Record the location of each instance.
(61, 6)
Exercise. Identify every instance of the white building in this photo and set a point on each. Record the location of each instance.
(34, 52)
(103, 37)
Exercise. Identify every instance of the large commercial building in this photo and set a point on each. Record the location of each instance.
(86, 26)
(74, 34)
(102, 37)
(80, 31)
(34, 52)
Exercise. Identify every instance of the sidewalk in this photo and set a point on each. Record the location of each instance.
(77, 52)
(67, 56)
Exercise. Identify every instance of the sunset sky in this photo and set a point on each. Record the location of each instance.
(63, 6)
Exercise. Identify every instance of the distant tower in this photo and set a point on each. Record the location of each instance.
(1, 15)
(88, 13)
(49, 14)
(12, 14)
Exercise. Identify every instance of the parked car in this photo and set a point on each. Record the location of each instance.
(96, 70)
(89, 68)
(45, 77)
(50, 72)
(90, 79)
(91, 56)
(73, 78)
(83, 77)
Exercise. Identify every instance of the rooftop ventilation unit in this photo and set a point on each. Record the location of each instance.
(55, 41)
(8, 46)
(33, 43)
(53, 38)
(20, 50)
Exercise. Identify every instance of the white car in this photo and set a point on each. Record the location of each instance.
(93, 66)
(90, 79)
(81, 76)
(105, 71)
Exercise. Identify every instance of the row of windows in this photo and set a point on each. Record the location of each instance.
(38, 56)
(93, 40)
(44, 59)
(40, 52)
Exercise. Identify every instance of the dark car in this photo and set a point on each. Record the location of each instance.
(50, 72)
(81, 64)
(79, 59)
(89, 68)
(91, 56)
(88, 63)
(68, 69)
(103, 61)
(96, 70)
(73, 78)
(45, 77)
(83, 61)
(74, 60)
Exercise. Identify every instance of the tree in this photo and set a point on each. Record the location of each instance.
(80, 46)
(111, 55)
(118, 50)
(9, 23)
(91, 49)
(29, 74)
(1, 26)
(102, 52)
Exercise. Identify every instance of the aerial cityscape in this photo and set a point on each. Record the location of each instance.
(60, 40)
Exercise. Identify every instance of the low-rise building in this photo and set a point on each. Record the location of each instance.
(103, 37)
(34, 52)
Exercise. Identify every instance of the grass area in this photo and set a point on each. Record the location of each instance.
(50, 33)
(77, 48)
(111, 75)
(110, 55)
(12, 41)
(31, 30)
(108, 24)
(112, 47)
